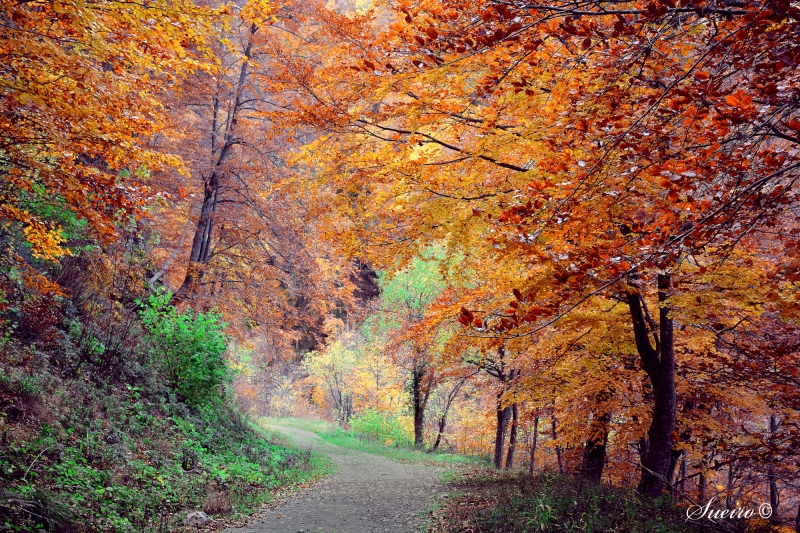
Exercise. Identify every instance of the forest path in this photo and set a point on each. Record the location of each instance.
(367, 494)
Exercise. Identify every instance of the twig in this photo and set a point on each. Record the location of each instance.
(34, 462)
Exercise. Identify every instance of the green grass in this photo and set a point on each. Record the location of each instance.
(333, 434)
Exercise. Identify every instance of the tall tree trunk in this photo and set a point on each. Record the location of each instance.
(558, 448)
(503, 414)
(418, 403)
(682, 484)
(442, 423)
(204, 229)
(675, 456)
(678, 454)
(595, 456)
(512, 439)
(659, 363)
(773, 482)
(701, 487)
(533, 446)
(500, 413)
(644, 445)
(346, 410)
(500, 433)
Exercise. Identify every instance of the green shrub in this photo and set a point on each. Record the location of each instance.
(189, 347)
(373, 425)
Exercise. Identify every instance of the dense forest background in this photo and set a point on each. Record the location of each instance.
(560, 235)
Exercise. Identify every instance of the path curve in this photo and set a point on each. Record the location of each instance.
(368, 494)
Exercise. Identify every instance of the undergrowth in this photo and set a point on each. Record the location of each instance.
(123, 421)
(494, 502)
(110, 457)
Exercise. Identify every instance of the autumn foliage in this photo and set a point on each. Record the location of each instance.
(618, 180)
(583, 215)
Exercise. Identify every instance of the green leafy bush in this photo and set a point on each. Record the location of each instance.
(190, 348)
(374, 425)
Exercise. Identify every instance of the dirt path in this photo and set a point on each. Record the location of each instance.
(367, 494)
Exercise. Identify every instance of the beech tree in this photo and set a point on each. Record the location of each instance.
(235, 232)
(618, 143)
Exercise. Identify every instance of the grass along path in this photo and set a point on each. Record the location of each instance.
(333, 434)
(368, 493)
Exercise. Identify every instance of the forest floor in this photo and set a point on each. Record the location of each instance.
(368, 493)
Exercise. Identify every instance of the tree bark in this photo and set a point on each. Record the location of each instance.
(558, 448)
(773, 482)
(673, 464)
(659, 363)
(418, 403)
(204, 229)
(500, 433)
(346, 410)
(595, 456)
(701, 487)
(533, 446)
(442, 423)
(682, 485)
(512, 439)
(443, 417)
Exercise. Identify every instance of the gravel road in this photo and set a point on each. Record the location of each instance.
(368, 494)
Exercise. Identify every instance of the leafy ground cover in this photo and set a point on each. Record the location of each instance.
(111, 458)
(122, 459)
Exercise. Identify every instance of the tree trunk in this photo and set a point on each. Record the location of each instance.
(443, 417)
(512, 439)
(644, 445)
(346, 410)
(680, 455)
(500, 433)
(558, 448)
(673, 464)
(701, 486)
(595, 456)
(797, 520)
(773, 482)
(659, 363)
(498, 437)
(500, 413)
(442, 423)
(533, 446)
(204, 229)
(419, 405)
